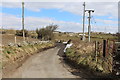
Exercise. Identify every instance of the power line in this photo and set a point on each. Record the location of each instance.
(93, 21)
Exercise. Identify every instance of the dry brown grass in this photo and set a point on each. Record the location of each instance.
(84, 53)
(10, 38)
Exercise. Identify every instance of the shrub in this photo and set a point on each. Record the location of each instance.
(20, 33)
(47, 32)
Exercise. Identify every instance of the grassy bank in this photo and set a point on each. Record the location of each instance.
(83, 54)
(14, 56)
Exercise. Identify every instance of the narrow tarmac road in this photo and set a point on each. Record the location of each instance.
(46, 64)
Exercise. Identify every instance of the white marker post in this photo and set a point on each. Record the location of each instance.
(15, 40)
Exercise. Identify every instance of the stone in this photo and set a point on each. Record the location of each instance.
(10, 44)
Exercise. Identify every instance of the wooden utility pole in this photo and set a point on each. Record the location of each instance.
(89, 26)
(23, 21)
(83, 21)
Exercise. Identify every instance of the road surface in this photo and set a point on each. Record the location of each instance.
(46, 64)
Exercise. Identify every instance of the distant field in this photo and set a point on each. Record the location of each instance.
(66, 37)
(76, 37)
(10, 38)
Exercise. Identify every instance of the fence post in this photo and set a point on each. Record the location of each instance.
(113, 47)
(104, 48)
(15, 39)
(113, 54)
(96, 49)
(107, 47)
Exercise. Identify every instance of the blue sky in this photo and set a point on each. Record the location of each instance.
(67, 15)
(50, 13)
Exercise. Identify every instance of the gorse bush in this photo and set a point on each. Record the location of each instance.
(20, 33)
(47, 32)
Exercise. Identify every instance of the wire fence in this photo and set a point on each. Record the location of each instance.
(116, 59)
(104, 54)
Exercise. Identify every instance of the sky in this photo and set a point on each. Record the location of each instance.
(67, 15)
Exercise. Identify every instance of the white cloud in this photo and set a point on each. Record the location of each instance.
(101, 8)
(31, 23)
(10, 21)
(11, 4)
(107, 22)
(104, 8)
(60, 0)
